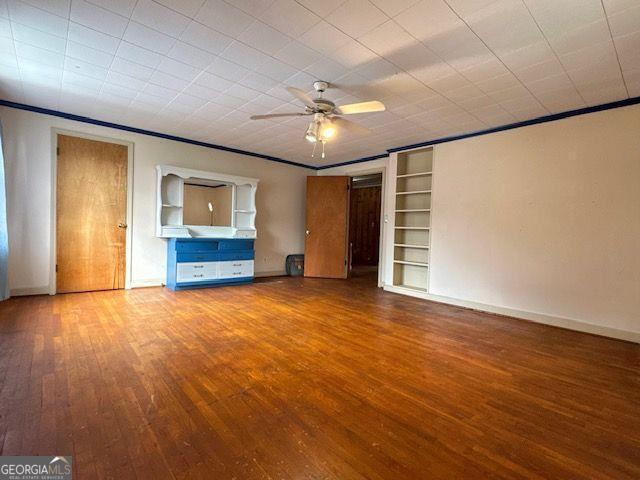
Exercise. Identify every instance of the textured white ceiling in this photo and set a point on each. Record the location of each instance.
(199, 68)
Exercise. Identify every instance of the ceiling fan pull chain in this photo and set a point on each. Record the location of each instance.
(323, 142)
(313, 153)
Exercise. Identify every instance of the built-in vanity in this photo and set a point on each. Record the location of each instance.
(209, 219)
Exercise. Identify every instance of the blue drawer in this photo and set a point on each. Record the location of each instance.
(215, 256)
(197, 246)
(235, 245)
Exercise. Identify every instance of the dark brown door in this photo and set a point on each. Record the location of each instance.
(364, 225)
(91, 212)
(325, 251)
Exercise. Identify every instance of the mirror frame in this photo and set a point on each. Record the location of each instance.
(173, 209)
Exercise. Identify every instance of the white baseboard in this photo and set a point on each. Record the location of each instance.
(568, 323)
(19, 292)
(155, 282)
(272, 273)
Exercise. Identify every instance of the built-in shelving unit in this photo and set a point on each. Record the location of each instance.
(412, 222)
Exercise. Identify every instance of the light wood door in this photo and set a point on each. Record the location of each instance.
(325, 252)
(91, 212)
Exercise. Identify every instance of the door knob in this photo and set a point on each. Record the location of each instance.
(306, 232)
(122, 225)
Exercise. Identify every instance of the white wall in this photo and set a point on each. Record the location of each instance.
(543, 219)
(541, 222)
(27, 138)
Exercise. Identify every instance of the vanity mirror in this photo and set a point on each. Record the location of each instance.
(198, 203)
(208, 205)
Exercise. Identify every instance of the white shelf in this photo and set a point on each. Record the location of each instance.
(413, 228)
(401, 288)
(416, 264)
(408, 175)
(166, 205)
(415, 192)
(413, 210)
(408, 245)
(245, 211)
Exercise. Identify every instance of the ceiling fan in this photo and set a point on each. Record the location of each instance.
(326, 114)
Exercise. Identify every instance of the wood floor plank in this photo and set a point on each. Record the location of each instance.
(308, 378)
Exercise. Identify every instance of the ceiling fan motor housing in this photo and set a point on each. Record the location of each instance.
(323, 105)
(320, 86)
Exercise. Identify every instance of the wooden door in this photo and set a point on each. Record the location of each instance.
(325, 251)
(91, 212)
(364, 225)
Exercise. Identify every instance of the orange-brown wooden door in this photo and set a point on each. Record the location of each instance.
(327, 233)
(364, 225)
(91, 212)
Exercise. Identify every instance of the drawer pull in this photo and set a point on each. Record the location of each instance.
(198, 266)
(237, 264)
(199, 275)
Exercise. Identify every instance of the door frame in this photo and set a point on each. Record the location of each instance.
(354, 171)
(55, 131)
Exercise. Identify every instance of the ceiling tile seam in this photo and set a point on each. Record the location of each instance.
(555, 54)
(114, 55)
(615, 47)
(180, 13)
(106, 9)
(452, 67)
(66, 46)
(15, 51)
(498, 58)
(316, 14)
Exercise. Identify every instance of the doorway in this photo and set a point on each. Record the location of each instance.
(364, 225)
(91, 214)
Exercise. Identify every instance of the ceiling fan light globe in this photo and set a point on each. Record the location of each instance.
(313, 132)
(328, 132)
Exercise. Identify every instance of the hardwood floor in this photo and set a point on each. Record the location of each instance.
(307, 378)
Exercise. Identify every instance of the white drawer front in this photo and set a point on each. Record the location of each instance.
(235, 269)
(196, 271)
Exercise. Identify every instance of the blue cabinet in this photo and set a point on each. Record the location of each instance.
(208, 262)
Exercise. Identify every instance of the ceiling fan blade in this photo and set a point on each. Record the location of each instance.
(274, 115)
(350, 126)
(302, 96)
(362, 107)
